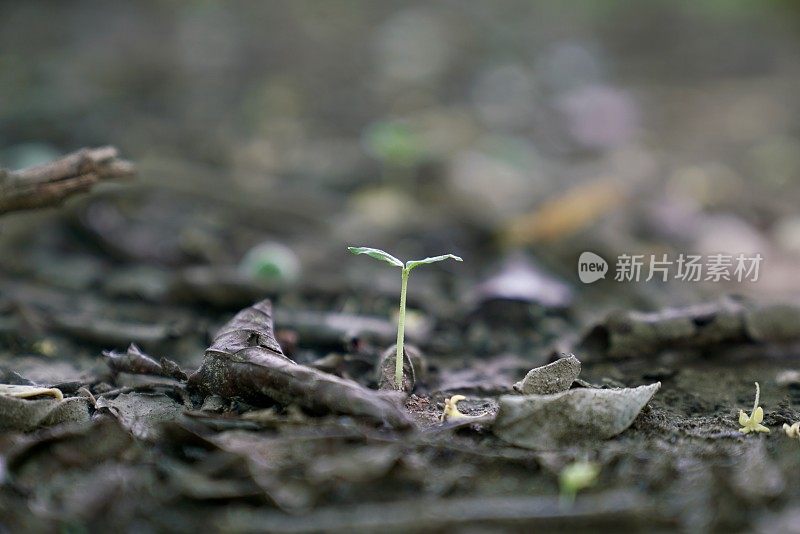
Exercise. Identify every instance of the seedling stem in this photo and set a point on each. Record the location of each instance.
(406, 269)
(401, 325)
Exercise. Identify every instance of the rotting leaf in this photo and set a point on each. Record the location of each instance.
(193, 483)
(551, 378)
(578, 415)
(26, 414)
(245, 360)
(628, 334)
(134, 361)
(198, 468)
(250, 328)
(141, 413)
(76, 446)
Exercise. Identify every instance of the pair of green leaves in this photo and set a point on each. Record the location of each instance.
(388, 258)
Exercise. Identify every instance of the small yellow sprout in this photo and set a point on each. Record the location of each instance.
(575, 477)
(451, 413)
(45, 347)
(753, 423)
(451, 409)
(792, 431)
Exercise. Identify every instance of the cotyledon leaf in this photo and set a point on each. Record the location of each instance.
(413, 264)
(377, 254)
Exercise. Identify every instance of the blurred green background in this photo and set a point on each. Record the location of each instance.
(476, 126)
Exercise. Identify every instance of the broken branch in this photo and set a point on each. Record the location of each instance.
(51, 183)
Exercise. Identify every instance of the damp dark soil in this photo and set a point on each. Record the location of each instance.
(278, 427)
(187, 346)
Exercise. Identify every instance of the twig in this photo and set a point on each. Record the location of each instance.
(51, 183)
(136, 362)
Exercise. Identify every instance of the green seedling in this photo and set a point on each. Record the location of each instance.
(753, 423)
(271, 262)
(406, 270)
(394, 143)
(575, 477)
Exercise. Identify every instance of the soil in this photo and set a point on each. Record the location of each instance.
(161, 456)
(297, 130)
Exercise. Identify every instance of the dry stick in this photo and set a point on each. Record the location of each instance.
(135, 361)
(51, 183)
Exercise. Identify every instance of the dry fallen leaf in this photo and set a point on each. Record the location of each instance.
(551, 378)
(578, 415)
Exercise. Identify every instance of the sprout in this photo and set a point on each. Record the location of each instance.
(792, 431)
(450, 411)
(394, 143)
(753, 423)
(271, 262)
(575, 477)
(45, 347)
(406, 270)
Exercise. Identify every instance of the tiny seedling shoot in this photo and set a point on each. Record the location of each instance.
(753, 422)
(451, 413)
(575, 477)
(406, 270)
